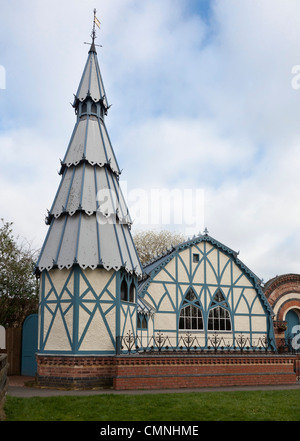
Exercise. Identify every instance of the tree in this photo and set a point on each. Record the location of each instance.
(150, 244)
(18, 284)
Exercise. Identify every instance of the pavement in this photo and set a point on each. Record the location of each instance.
(19, 386)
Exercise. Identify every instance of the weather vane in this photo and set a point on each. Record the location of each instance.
(96, 22)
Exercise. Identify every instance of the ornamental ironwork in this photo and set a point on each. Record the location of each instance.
(214, 343)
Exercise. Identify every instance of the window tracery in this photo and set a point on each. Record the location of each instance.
(191, 317)
(219, 316)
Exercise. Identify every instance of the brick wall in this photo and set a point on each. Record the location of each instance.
(280, 286)
(75, 372)
(202, 371)
(278, 291)
(3, 382)
(164, 371)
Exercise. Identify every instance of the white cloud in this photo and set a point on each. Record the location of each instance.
(194, 106)
(181, 151)
(28, 182)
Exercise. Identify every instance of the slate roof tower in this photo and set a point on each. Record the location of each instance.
(88, 265)
(89, 220)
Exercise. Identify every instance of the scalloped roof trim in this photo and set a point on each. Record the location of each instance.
(106, 266)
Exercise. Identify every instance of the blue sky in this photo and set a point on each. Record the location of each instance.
(202, 98)
(199, 7)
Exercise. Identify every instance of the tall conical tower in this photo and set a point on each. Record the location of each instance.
(88, 265)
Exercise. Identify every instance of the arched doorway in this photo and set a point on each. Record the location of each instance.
(29, 345)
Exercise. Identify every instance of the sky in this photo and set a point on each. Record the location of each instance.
(205, 111)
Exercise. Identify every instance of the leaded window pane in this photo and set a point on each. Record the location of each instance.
(190, 318)
(219, 319)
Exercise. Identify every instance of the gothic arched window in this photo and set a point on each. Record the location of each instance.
(127, 289)
(190, 317)
(131, 292)
(84, 108)
(219, 316)
(142, 321)
(124, 290)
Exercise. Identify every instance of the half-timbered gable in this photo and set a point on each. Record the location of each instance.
(201, 287)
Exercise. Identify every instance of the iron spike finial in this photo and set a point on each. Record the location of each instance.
(96, 22)
(94, 29)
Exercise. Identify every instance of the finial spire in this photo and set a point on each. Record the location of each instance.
(93, 34)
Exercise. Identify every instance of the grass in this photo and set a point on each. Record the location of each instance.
(196, 406)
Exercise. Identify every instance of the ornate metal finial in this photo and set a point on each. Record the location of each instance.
(96, 22)
(206, 231)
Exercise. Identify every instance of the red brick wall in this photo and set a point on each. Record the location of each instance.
(164, 371)
(276, 290)
(202, 371)
(76, 372)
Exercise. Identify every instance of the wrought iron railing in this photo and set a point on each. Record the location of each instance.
(189, 343)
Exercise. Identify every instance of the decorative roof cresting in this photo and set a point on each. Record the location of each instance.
(89, 222)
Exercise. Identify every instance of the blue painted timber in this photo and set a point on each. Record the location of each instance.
(29, 345)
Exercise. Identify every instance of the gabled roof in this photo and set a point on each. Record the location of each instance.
(154, 267)
(166, 257)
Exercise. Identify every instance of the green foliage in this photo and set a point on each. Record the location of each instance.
(281, 405)
(18, 285)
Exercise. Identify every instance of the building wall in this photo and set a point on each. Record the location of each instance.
(145, 336)
(84, 326)
(283, 294)
(217, 270)
(77, 312)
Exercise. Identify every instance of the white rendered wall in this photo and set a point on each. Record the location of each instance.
(216, 270)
